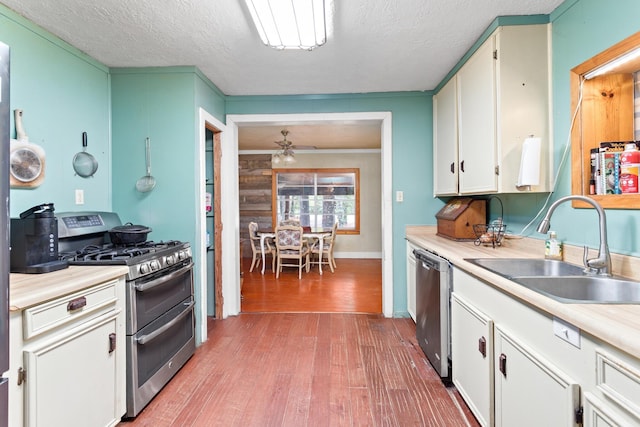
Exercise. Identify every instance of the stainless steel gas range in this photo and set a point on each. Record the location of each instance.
(160, 319)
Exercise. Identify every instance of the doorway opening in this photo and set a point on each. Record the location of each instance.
(231, 291)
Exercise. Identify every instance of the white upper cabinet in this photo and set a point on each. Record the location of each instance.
(445, 131)
(477, 121)
(501, 97)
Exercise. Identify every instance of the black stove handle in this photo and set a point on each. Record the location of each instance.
(142, 287)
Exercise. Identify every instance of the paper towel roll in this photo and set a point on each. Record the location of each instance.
(530, 163)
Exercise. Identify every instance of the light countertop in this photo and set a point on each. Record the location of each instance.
(616, 324)
(26, 290)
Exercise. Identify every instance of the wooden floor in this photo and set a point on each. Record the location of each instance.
(310, 352)
(307, 369)
(354, 287)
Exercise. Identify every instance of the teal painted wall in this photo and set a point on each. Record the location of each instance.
(63, 92)
(581, 29)
(208, 97)
(161, 104)
(411, 151)
(157, 104)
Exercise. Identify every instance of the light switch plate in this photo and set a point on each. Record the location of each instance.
(399, 196)
(566, 332)
(79, 197)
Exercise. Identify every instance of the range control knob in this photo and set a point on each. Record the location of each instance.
(170, 260)
(155, 265)
(144, 268)
(182, 255)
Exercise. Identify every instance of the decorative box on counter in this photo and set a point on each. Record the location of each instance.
(456, 219)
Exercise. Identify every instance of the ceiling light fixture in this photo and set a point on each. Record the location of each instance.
(286, 152)
(612, 65)
(290, 24)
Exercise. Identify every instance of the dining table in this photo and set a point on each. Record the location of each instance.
(307, 233)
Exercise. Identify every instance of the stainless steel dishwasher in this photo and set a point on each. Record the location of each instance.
(433, 320)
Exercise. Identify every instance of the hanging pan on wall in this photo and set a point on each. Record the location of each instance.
(26, 160)
(84, 164)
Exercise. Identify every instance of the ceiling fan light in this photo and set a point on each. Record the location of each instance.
(288, 158)
(275, 159)
(290, 24)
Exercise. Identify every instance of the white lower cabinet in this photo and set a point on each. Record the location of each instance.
(596, 413)
(69, 365)
(411, 280)
(71, 380)
(513, 366)
(472, 363)
(524, 380)
(503, 379)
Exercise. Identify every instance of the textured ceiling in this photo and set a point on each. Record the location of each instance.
(373, 45)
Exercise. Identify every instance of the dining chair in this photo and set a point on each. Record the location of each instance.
(256, 256)
(293, 221)
(327, 250)
(290, 221)
(290, 247)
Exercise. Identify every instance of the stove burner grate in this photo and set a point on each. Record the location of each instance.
(113, 252)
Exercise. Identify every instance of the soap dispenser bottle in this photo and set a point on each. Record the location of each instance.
(553, 247)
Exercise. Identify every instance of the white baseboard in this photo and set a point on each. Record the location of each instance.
(375, 255)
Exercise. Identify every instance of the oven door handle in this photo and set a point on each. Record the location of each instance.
(155, 334)
(161, 280)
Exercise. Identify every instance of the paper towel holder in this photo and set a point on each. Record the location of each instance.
(529, 174)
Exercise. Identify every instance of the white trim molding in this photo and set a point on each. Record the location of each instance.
(230, 206)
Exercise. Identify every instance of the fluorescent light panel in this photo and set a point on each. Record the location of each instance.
(290, 24)
(612, 65)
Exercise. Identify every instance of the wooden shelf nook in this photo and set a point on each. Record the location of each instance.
(606, 114)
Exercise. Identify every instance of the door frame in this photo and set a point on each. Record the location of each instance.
(207, 122)
(231, 208)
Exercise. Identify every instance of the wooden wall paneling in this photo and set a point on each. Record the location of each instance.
(254, 182)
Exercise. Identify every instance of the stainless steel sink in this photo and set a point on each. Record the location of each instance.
(584, 289)
(563, 281)
(516, 267)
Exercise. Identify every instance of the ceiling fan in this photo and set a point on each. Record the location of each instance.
(288, 145)
(286, 153)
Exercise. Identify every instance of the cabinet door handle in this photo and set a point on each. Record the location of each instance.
(76, 303)
(112, 342)
(503, 364)
(453, 166)
(462, 166)
(482, 346)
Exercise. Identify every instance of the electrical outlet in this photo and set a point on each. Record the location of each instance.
(399, 196)
(79, 197)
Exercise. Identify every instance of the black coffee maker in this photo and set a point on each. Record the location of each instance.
(34, 241)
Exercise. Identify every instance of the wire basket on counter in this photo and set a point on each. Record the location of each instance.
(490, 234)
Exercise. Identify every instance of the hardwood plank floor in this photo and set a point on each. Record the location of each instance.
(355, 287)
(307, 369)
(309, 352)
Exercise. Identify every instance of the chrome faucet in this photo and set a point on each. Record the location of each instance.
(600, 265)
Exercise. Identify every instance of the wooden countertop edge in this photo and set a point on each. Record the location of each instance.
(27, 290)
(616, 324)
